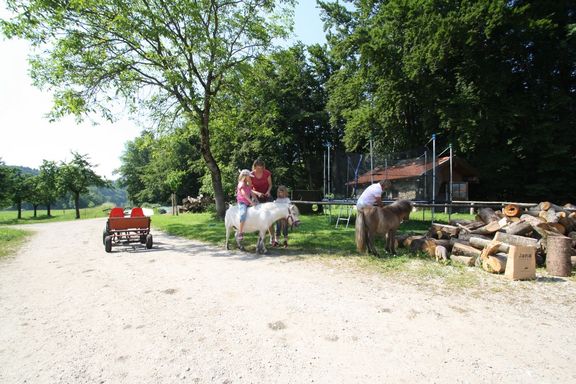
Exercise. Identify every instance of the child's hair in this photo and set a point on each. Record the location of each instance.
(244, 173)
(282, 188)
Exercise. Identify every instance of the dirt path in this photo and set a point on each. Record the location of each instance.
(185, 312)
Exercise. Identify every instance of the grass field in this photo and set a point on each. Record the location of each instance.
(317, 236)
(11, 217)
(10, 240)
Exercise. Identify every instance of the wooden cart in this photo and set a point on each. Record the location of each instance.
(125, 230)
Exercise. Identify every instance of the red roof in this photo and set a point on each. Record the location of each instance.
(409, 169)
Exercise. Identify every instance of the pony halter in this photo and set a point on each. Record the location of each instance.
(291, 219)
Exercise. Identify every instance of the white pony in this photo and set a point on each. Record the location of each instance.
(258, 219)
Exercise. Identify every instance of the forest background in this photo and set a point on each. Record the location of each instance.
(496, 79)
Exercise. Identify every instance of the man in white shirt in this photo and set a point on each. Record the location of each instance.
(373, 194)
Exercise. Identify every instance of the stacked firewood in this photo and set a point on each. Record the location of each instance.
(485, 241)
(195, 204)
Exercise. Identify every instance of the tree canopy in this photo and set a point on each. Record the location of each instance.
(170, 59)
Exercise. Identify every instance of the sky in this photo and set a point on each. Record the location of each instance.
(26, 135)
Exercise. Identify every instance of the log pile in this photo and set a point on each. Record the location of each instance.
(195, 204)
(486, 241)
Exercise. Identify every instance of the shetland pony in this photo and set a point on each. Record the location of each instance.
(384, 221)
(258, 219)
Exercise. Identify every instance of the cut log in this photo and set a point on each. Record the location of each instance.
(545, 205)
(568, 223)
(511, 210)
(559, 250)
(550, 229)
(488, 229)
(480, 243)
(515, 240)
(495, 263)
(465, 237)
(466, 260)
(487, 215)
(443, 231)
(490, 249)
(472, 225)
(465, 250)
(519, 228)
(550, 216)
(534, 222)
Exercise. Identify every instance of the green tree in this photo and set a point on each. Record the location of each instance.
(181, 53)
(279, 116)
(481, 74)
(76, 176)
(21, 188)
(48, 183)
(5, 184)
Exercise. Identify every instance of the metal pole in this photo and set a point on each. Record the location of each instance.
(451, 183)
(426, 175)
(329, 186)
(324, 173)
(371, 164)
(433, 173)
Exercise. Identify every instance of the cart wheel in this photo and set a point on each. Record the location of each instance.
(108, 243)
(148, 241)
(142, 239)
(106, 233)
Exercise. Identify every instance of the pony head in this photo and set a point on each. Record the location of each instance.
(293, 215)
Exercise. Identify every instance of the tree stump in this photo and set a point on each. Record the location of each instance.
(558, 255)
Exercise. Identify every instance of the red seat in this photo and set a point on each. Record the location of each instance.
(116, 212)
(137, 212)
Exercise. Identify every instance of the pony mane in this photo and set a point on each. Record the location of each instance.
(401, 206)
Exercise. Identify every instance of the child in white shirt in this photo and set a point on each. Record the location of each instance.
(282, 224)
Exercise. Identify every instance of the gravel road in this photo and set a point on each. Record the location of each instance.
(187, 312)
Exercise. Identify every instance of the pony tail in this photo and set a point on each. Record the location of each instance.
(360, 232)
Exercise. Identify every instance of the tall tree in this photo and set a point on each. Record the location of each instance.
(279, 116)
(482, 74)
(5, 180)
(76, 176)
(48, 182)
(175, 55)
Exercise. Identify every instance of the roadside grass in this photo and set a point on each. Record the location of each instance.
(10, 240)
(11, 217)
(318, 237)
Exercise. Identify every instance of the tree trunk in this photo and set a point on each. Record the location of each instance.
(465, 250)
(487, 215)
(215, 173)
(35, 209)
(488, 229)
(559, 250)
(519, 228)
(511, 210)
(480, 243)
(515, 240)
(77, 204)
(48, 210)
(19, 207)
(495, 263)
(466, 260)
(443, 231)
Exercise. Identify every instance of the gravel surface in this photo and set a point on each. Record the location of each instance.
(187, 312)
